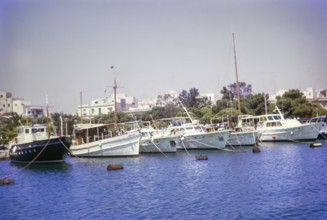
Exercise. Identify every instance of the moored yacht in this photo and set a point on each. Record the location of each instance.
(239, 136)
(195, 136)
(274, 127)
(157, 141)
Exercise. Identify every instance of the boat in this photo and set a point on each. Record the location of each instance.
(239, 136)
(104, 140)
(274, 127)
(323, 130)
(157, 141)
(193, 135)
(35, 144)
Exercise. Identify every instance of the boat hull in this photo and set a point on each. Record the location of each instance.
(158, 145)
(119, 146)
(53, 150)
(305, 132)
(243, 138)
(204, 140)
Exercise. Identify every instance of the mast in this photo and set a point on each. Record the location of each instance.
(47, 111)
(115, 104)
(237, 84)
(80, 96)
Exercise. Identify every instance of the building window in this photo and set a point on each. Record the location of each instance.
(99, 111)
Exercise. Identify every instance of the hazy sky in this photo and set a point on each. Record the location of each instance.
(62, 47)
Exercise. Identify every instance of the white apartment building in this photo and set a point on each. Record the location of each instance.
(106, 105)
(5, 102)
(20, 106)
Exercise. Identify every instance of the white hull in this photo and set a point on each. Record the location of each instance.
(302, 132)
(243, 138)
(158, 145)
(123, 145)
(204, 140)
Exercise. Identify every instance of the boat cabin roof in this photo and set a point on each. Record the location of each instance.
(33, 128)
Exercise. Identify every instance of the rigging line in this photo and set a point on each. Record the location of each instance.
(217, 147)
(71, 153)
(182, 140)
(158, 147)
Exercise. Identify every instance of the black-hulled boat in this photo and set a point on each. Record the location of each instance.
(34, 144)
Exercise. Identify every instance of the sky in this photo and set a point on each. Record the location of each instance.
(64, 47)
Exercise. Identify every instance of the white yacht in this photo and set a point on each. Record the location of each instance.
(195, 136)
(157, 141)
(239, 136)
(274, 127)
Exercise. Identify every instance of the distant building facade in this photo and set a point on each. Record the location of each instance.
(20, 106)
(106, 105)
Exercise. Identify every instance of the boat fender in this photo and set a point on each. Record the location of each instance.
(115, 167)
(313, 145)
(7, 181)
(256, 150)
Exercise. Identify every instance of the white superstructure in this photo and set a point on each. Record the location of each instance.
(273, 127)
(99, 140)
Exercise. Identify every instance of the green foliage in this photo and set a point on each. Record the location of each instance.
(254, 104)
(191, 99)
(230, 92)
(294, 104)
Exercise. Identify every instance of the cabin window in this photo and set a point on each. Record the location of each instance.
(268, 124)
(277, 117)
(270, 118)
(27, 131)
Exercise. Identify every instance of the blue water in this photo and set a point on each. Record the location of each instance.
(284, 181)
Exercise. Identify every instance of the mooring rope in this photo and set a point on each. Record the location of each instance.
(158, 147)
(32, 161)
(182, 140)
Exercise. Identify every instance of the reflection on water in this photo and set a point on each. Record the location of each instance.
(45, 167)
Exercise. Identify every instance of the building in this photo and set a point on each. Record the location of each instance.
(163, 99)
(5, 102)
(209, 96)
(106, 105)
(20, 106)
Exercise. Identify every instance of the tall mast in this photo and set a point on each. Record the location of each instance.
(237, 85)
(115, 104)
(81, 102)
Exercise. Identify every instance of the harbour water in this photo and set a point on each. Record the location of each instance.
(284, 181)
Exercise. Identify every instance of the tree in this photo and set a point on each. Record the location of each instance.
(254, 105)
(231, 91)
(294, 104)
(191, 99)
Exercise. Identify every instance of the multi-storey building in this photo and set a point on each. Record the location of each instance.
(20, 106)
(106, 105)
